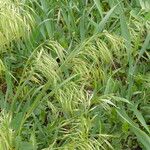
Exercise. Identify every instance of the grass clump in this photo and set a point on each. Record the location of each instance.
(74, 75)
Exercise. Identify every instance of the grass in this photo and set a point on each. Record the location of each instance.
(74, 75)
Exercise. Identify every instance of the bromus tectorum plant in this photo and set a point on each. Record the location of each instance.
(74, 75)
(15, 23)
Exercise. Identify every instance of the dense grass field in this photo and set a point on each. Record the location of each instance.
(74, 74)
